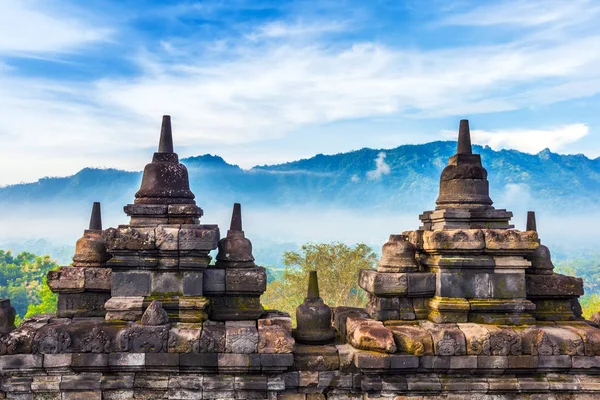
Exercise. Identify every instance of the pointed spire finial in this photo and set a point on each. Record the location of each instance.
(313, 286)
(165, 145)
(96, 217)
(236, 218)
(464, 138)
(531, 224)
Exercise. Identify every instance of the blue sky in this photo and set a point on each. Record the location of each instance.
(260, 82)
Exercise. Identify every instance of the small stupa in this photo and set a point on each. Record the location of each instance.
(313, 316)
(84, 286)
(235, 283)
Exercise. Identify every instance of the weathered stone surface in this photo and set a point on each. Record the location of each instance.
(155, 315)
(448, 340)
(508, 240)
(241, 337)
(214, 280)
(275, 339)
(67, 280)
(555, 285)
(383, 284)
(128, 284)
(371, 360)
(98, 279)
(198, 237)
(567, 342)
(316, 358)
(212, 339)
(124, 308)
(341, 315)
(185, 338)
(370, 335)
(128, 238)
(245, 280)
(276, 318)
(397, 255)
(452, 240)
(86, 304)
(193, 283)
(412, 340)
(144, 339)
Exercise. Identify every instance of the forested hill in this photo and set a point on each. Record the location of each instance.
(347, 180)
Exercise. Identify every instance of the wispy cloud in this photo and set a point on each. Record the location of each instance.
(28, 28)
(281, 29)
(381, 168)
(524, 13)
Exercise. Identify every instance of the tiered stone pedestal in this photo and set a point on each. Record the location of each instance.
(480, 274)
(164, 262)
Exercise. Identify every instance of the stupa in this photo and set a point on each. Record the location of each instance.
(162, 253)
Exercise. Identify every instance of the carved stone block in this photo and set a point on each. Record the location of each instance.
(98, 279)
(212, 339)
(89, 304)
(366, 334)
(67, 280)
(383, 284)
(198, 237)
(508, 240)
(555, 285)
(452, 240)
(126, 284)
(316, 358)
(448, 339)
(275, 339)
(214, 281)
(167, 237)
(129, 238)
(144, 339)
(167, 283)
(245, 280)
(241, 337)
(412, 339)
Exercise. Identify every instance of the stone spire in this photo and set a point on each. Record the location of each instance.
(313, 316)
(464, 138)
(464, 183)
(235, 250)
(541, 259)
(90, 250)
(531, 225)
(96, 218)
(313, 286)
(165, 144)
(165, 180)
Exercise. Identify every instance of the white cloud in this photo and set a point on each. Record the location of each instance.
(26, 29)
(355, 178)
(528, 140)
(281, 29)
(524, 13)
(381, 168)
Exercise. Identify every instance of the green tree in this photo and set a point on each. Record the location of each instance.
(48, 302)
(22, 280)
(337, 265)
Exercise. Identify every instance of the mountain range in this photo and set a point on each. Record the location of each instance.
(407, 178)
(365, 183)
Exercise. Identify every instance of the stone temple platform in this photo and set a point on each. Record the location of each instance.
(465, 307)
